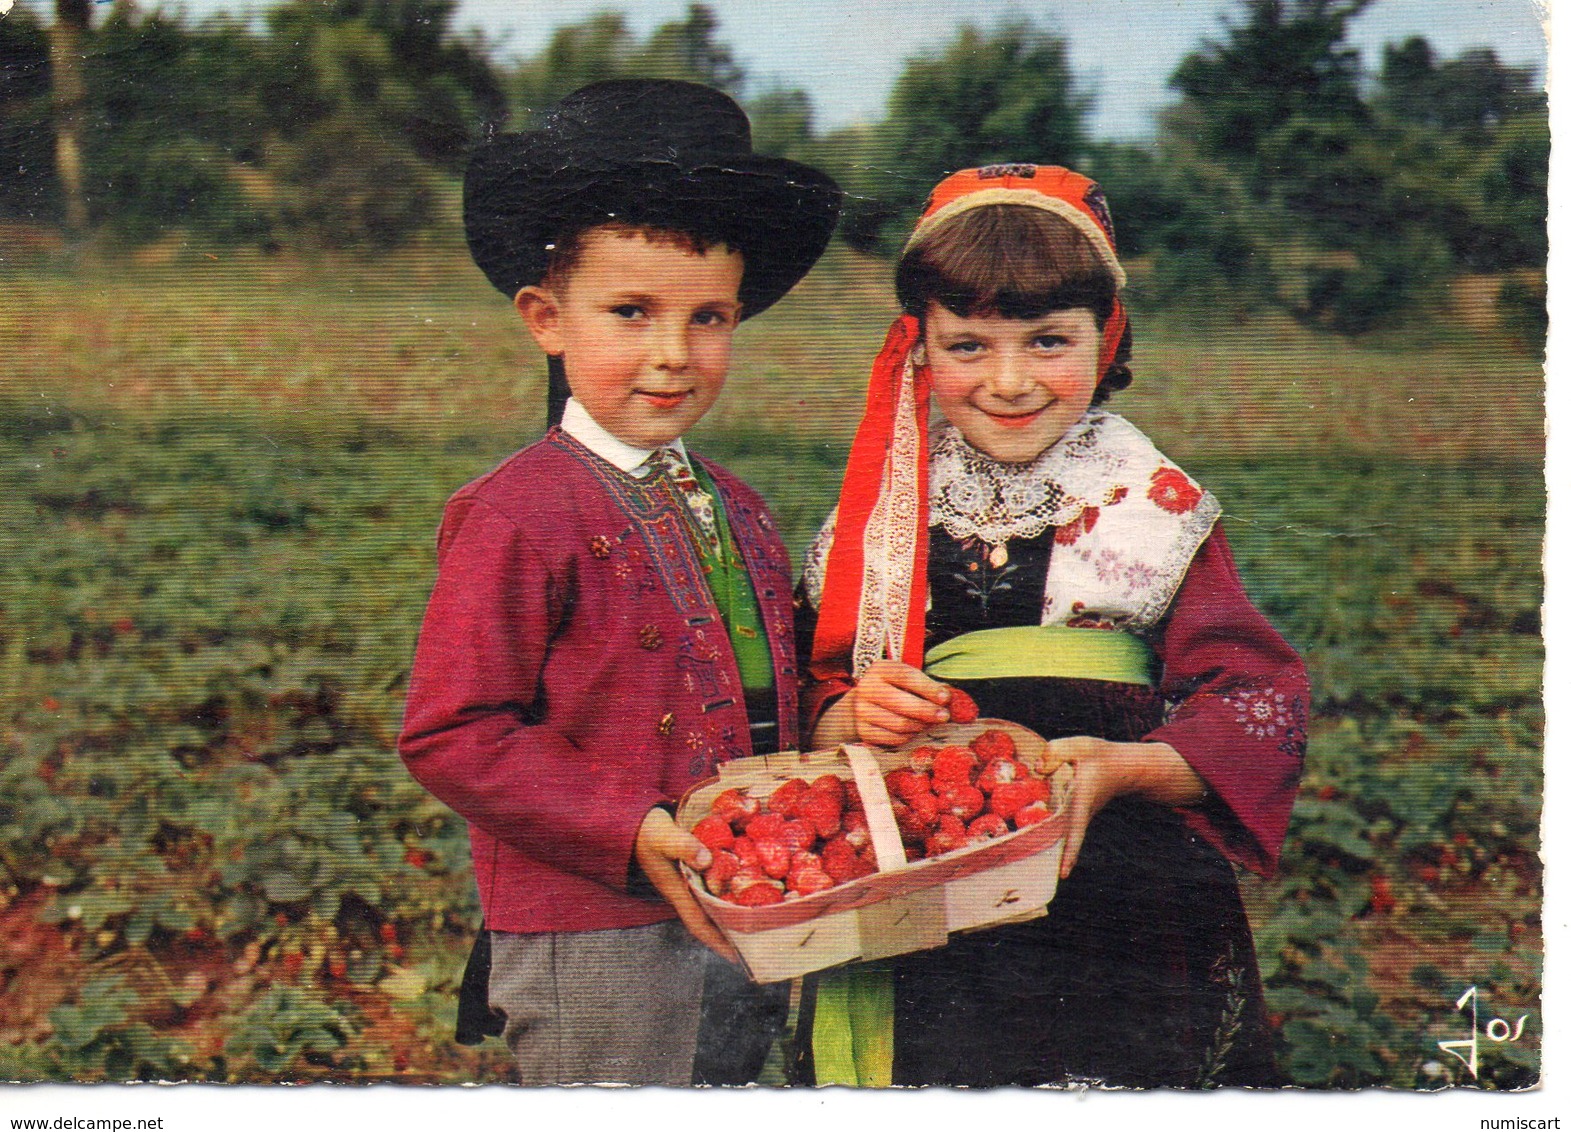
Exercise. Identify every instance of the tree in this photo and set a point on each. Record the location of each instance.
(28, 188)
(1473, 93)
(1286, 60)
(687, 49)
(72, 20)
(1003, 95)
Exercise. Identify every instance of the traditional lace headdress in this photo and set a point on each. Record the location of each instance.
(875, 586)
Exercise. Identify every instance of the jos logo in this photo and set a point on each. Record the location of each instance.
(5, 7)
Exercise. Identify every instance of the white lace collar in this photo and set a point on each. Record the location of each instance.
(971, 495)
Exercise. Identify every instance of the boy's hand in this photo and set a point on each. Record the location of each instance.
(892, 702)
(661, 844)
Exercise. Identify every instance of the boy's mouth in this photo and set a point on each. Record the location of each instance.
(662, 399)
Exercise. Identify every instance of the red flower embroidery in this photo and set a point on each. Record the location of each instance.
(1173, 491)
(1069, 533)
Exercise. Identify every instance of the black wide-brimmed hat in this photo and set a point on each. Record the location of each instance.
(648, 153)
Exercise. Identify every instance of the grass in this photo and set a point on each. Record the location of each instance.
(219, 480)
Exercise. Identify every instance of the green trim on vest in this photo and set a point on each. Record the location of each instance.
(1043, 650)
(733, 594)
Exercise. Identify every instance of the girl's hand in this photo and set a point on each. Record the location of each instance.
(890, 703)
(661, 844)
(1105, 770)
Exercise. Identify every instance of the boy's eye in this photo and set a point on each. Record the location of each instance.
(627, 310)
(711, 318)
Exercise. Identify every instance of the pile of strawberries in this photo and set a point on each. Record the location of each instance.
(808, 837)
(804, 839)
(951, 797)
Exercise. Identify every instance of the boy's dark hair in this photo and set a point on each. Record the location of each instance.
(1012, 261)
(568, 249)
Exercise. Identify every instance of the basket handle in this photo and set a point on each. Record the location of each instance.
(887, 847)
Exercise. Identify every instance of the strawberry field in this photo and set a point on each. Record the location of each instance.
(218, 495)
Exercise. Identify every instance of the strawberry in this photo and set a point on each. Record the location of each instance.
(839, 858)
(951, 835)
(733, 805)
(1381, 898)
(853, 799)
(904, 783)
(952, 767)
(746, 850)
(913, 853)
(721, 870)
(798, 835)
(805, 859)
(854, 824)
(921, 759)
(985, 828)
(822, 810)
(964, 802)
(832, 785)
(714, 833)
(767, 827)
(783, 800)
(999, 771)
(912, 828)
(962, 708)
(993, 744)
(758, 896)
(1031, 813)
(1010, 796)
(809, 881)
(774, 858)
(748, 877)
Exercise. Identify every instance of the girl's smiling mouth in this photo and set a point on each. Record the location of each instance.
(1015, 420)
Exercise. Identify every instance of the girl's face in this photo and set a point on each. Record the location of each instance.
(1013, 386)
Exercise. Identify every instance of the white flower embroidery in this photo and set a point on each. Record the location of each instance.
(1262, 713)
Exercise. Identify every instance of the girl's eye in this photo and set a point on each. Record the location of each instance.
(627, 310)
(1049, 341)
(964, 349)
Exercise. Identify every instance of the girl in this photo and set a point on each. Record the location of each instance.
(1038, 552)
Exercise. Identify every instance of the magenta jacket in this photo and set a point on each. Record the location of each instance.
(573, 671)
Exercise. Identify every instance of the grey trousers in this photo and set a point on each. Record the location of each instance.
(619, 1006)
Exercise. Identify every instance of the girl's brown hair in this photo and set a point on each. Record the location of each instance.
(1013, 261)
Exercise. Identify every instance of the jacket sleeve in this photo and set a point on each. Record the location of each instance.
(1240, 709)
(477, 733)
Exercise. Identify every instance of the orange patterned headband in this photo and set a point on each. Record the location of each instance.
(1052, 188)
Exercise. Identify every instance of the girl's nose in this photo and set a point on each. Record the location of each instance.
(1007, 378)
(670, 346)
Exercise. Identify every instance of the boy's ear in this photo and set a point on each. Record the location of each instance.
(542, 314)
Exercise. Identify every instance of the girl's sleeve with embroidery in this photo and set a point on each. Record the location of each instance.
(471, 735)
(1241, 709)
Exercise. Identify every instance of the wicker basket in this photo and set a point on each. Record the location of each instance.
(903, 907)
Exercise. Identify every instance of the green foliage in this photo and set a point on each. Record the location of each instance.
(26, 142)
(1286, 60)
(601, 47)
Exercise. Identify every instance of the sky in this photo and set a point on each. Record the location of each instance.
(848, 53)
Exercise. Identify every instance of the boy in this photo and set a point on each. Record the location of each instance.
(612, 618)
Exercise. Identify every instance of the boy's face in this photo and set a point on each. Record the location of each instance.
(1013, 386)
(644, 329)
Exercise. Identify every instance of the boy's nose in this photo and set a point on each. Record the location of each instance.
(669, 348)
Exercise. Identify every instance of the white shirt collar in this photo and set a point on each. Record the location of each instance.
(578, 424)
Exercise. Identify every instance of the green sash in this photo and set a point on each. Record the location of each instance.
(854, 1018)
